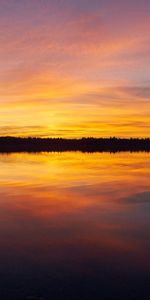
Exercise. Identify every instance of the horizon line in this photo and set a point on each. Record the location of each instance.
(74, 138)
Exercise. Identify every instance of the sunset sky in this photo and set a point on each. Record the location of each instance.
(74, 68)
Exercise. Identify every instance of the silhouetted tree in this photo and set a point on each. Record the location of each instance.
(18, 144)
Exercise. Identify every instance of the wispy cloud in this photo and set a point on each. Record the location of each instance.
(64, 63)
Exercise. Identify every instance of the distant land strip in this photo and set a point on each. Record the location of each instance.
(17, 144)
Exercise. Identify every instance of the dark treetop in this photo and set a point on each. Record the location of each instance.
(13, 144)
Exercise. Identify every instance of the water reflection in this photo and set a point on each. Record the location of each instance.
(74, 226)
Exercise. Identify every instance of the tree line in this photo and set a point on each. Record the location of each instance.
(32, 144)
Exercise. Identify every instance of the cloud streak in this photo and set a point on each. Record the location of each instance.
(62, 58)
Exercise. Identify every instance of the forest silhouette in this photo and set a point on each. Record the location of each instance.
(32, 144)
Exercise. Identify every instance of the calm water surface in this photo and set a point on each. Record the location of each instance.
(75, 226)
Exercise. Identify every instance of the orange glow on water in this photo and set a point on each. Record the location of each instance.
(96, 196)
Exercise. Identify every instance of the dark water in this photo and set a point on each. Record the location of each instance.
(75, 226)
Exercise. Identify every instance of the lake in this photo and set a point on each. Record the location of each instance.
(75, 226)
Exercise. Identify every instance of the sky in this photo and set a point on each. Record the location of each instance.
(75, 68)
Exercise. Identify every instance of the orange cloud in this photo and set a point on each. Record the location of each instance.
(57, 71)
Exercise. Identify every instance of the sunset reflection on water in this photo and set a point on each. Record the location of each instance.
(74, 225)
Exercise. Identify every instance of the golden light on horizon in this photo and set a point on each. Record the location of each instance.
(74, 72)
